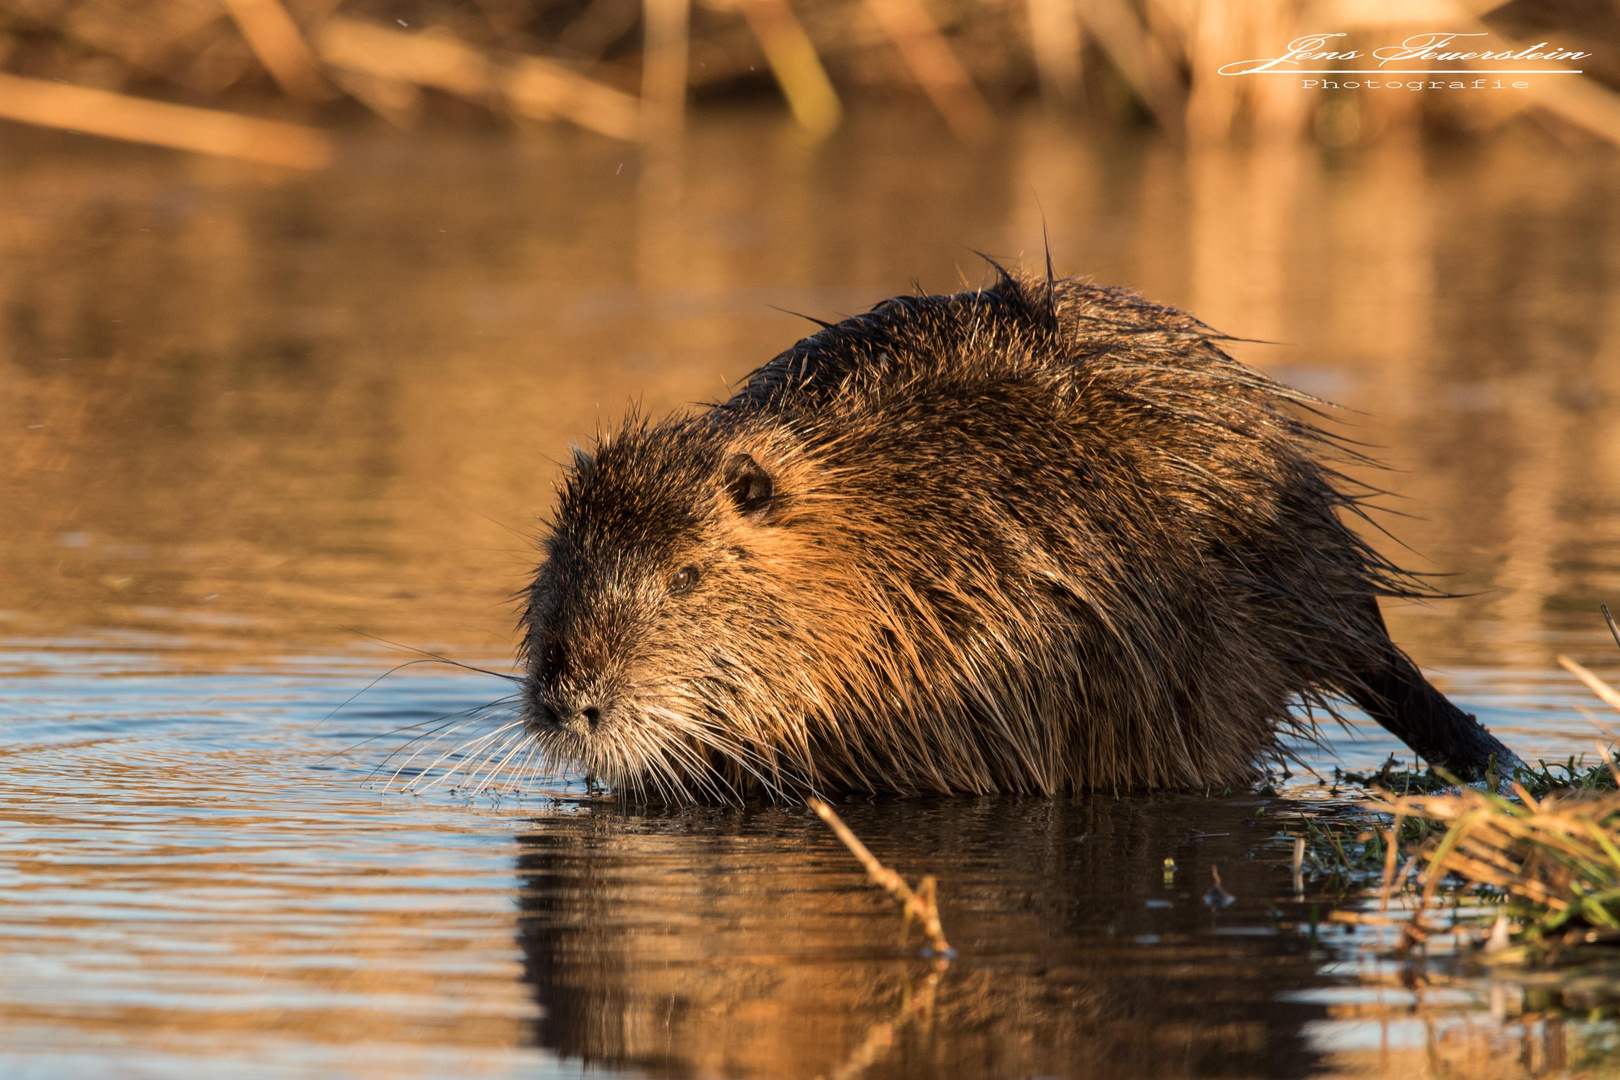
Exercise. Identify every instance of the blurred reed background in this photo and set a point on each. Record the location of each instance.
(263, 79)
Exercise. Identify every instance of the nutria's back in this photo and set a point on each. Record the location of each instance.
(1041, 537)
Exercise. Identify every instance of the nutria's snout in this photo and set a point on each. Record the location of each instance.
(543, 714)
(558, 696)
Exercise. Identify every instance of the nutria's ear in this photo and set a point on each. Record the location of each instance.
(749, 486)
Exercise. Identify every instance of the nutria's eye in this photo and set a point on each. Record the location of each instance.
(684, 579)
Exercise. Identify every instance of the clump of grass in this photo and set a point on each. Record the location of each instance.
(1576, 773)
(1344, 853)
(1392, 777)
(1578, 776)
(1547, 859)
(1553, 862)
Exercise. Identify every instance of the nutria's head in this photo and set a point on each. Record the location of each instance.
(666, 620)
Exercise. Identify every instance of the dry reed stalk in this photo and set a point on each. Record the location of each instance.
(1279, 109)
(1362, 918)
(396, 101)
(1608, 617)
(919, 903)
(531, 86)
(280, 46)
(1610, 696)
(181, 127)
(666, 29)
(1054, 41)
(1138, 57)
(935, 67)
(432, 58)
(543, 90)
(788, 49)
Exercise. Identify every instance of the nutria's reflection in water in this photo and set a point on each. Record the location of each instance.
(746, 943)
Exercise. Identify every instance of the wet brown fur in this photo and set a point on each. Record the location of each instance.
(1041, 537)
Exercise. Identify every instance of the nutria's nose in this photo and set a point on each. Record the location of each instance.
(581, 721)
(551, 709)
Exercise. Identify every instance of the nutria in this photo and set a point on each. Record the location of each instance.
(1040, 537)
